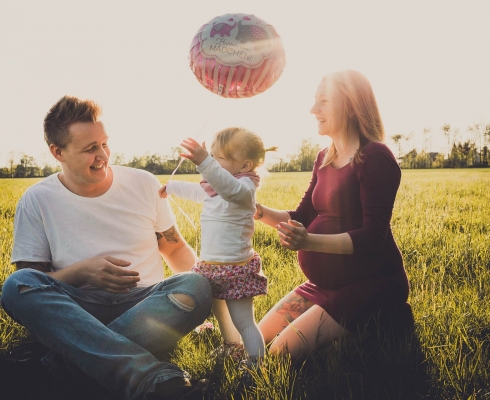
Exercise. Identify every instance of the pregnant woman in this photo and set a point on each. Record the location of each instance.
(341, 228)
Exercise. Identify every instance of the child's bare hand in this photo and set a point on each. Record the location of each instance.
(197, 153)
(163, 192)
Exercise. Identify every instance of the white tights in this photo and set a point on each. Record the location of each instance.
(236, 319)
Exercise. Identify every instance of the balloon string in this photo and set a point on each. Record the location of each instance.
(183, 213)
(182, 159)
(196, 259)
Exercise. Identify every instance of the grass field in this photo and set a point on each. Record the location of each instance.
(442, 226)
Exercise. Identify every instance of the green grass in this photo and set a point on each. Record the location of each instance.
(442, 227)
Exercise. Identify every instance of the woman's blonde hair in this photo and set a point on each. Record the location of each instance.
(360, 110)
(247, 143)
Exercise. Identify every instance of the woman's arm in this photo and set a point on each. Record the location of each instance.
(290, 225)
(379, 180)
(270, 216)
(293, 236)
(305, 212)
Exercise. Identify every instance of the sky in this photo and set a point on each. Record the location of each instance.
(428, 62)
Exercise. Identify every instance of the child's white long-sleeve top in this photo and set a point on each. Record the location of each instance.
(227, 223)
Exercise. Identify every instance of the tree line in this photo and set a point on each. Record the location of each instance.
(154, 163)
(27, 168)
(472, 152)
(161, 165)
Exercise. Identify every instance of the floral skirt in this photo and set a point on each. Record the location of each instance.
(230, 281)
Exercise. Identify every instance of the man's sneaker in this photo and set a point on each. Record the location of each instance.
(25, 377)
(22, 370)
(25, 352)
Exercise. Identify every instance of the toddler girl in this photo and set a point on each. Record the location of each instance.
(227, 258)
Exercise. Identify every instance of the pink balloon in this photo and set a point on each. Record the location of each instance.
(237, 55)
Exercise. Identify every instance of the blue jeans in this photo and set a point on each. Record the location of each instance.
(112, 338)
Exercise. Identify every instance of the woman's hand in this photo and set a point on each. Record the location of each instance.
(197, 153)
(293, 235)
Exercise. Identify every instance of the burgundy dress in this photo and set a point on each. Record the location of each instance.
(358, 199)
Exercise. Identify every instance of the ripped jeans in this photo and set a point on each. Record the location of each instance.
(112, 338)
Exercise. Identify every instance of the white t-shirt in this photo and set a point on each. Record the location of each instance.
(227, 223)
(55, 225)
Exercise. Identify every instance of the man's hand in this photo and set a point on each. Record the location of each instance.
(110, 274)
(163, 192)
(107, 273)
(197, 153)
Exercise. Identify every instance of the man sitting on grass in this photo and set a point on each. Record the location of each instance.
(89, 283)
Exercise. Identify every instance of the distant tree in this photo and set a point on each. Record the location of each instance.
(154, 164)
(279, 166)
(485, 156)
(421, 160)
(409, 159)
(186, 167)
(477, 132)
(426, 162)
(5, 172)
(486, 142)
(136, 162)
(446, 129)
(50, 170)
(301, 161)
(461, 154)
(397, 139)
(11, 163)
(307, 154)
(27, 168)
(118, 159)
(410, 144)
(473, 155)
(456, 135)
(439, 161)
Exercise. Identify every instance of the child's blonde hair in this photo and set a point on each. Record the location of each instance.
(248, 144)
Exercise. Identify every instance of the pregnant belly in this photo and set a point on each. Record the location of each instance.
(326, 270)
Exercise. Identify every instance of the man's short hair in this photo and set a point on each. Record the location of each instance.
(67, 111)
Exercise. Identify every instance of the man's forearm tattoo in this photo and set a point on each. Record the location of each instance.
(170, 235)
